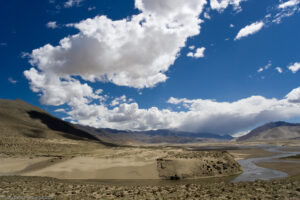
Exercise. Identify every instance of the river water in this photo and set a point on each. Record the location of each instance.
(252, 172)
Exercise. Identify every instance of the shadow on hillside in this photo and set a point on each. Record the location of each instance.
(56, 124)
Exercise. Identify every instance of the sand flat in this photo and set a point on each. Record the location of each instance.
(126, 163)
(134, 172)
(14, 165)
(99, 168)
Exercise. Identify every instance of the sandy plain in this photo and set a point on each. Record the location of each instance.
(76, 173)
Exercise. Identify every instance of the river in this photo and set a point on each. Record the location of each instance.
(252, 172)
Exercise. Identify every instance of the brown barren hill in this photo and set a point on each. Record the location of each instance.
(27, 129)
(273, 131)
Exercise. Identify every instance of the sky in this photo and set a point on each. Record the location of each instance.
(218, 66)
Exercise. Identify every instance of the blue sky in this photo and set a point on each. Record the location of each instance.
(246, 72)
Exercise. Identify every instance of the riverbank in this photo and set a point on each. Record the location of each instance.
(264, 167)
(290, 168)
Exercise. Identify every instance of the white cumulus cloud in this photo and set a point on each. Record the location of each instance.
(52, 25)
(206, 15)
(294, 67)
(260, 70)
(289, 3)
(132, 52)
(266, 67)
(13, 81)
(199, 53)
(192, 47)
(294, 95)
(249, 30)
(91, 8)
(118, 100)
(71, 3)
(279, 70)
(56, 91)
(220, 5)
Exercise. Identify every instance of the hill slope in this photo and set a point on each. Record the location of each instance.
(22, 119)
(273, 131)
(26, 129)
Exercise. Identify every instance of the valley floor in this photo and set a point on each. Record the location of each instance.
(28, 177)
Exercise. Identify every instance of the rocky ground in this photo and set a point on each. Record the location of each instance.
(197, 164)
(15, 187)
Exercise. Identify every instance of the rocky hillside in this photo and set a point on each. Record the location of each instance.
(273, 131)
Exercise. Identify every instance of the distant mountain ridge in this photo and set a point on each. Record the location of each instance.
(168, 132)
(152, 136)
(273, 130)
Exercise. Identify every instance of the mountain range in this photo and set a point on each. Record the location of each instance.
(273, 131)
(152, 136)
